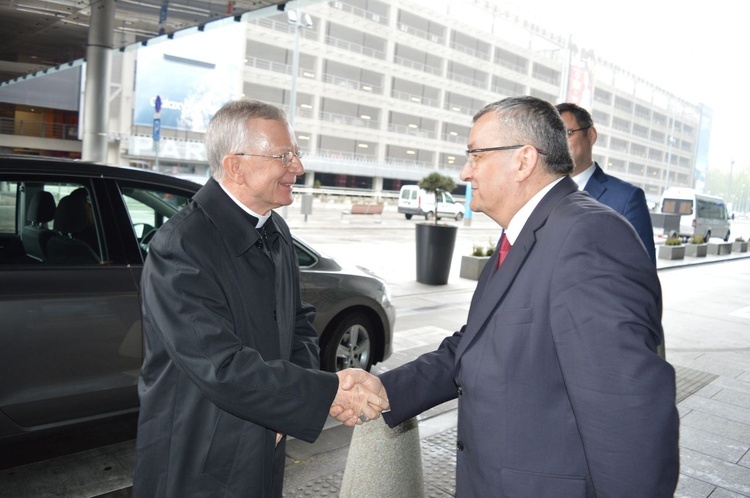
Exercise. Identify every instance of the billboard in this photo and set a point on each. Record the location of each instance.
(581, 79)
(193, 75)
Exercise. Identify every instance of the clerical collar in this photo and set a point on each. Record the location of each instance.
(261, 218)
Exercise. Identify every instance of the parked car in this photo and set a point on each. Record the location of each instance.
(413, 200)
(73, 239)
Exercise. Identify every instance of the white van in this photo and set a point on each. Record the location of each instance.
(413, 200)
(700, 214)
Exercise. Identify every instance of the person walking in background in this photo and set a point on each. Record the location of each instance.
(623, 197)
(560, 388)
(231, 356)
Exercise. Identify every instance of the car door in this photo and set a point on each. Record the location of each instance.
(70, 330)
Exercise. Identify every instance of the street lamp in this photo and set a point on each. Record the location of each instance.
(299, 20)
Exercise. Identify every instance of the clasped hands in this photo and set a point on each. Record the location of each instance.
(360, 397)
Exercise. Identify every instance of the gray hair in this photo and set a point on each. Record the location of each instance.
(533, 121)
(228, 132)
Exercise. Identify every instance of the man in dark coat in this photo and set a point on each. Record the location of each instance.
(231, 361)
(561, 392)
(623, 197)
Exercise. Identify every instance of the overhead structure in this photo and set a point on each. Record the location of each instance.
(43, 35)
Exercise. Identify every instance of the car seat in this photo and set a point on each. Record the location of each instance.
(63, 248)
(36, 234)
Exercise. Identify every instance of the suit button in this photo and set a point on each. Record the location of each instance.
(460, 446)
(460, 390)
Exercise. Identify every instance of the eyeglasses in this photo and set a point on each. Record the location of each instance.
(286, 157)
(470, 152)
(570, 132)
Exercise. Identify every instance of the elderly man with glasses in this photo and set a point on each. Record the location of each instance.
(231, 356)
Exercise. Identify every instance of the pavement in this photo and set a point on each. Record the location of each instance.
(713, 392)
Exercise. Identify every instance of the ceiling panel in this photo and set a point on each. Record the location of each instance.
(39, 34)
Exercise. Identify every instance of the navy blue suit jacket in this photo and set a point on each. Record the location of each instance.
(561, 392)
(626, 199)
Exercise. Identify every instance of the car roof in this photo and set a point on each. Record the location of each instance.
(52, 165)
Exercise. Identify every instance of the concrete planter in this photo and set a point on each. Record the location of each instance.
(717, 249)
(471, 266)
(671, 252)
(696, 250)
(739, 246)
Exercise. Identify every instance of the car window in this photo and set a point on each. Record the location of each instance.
(304, 258)
(149, 207)
(49, 222)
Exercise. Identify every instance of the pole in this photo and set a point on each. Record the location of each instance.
(295, 68)
(669, 154)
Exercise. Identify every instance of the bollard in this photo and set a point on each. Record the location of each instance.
(384, 462)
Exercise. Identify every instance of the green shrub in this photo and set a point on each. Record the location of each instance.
(478, 251)
(673, 241)
(490, 251)
(697, 239)
(739, 239)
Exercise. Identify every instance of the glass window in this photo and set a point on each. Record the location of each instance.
(149, 209)
(49, 222)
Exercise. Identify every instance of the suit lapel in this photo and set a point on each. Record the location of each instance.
(596, 186)
(494, 284)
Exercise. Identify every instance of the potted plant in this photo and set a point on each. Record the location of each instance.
(739, 245)
(673, 248)
(473, 264)
(697, 247)
(435, 241)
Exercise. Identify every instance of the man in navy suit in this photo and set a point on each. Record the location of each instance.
(623, 197)
(561, 392)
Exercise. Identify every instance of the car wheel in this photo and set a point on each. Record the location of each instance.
(459, 216)
(726, 237)
(408, 216)
(429, 215)
(708, 236)
(349, 344)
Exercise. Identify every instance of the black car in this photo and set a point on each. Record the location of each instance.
(73, 239)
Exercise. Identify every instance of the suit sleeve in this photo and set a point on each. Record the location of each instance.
(636, 212)
(606, 325)
(423, 383)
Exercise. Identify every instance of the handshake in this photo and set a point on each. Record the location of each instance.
(360, 398)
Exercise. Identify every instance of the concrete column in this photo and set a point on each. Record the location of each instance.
(384, 462)
(98, 67)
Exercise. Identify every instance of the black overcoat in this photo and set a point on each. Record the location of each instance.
(231, 356)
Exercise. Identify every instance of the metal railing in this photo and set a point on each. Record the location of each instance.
(41, 129)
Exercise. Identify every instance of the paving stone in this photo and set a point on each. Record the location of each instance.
(731, 477)
(688, 487)
(711, 444)
(719, 408)
(716, 424)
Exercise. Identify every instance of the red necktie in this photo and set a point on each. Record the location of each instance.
(504, 248)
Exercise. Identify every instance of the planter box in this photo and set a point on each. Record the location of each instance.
(696, 250)
(719, 248)
(672, 252)
(471, 266)
(739, 246)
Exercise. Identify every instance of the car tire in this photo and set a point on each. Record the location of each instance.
(708, 236)
(429, 215)
(459, 216)
(408, 216)
(349, 344)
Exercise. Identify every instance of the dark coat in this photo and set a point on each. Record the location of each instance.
(231, 355)
(626, 199)
(561, 392)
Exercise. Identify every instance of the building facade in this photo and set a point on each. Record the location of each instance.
(382, 92)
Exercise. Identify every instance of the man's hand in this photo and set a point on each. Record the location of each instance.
(360, 398)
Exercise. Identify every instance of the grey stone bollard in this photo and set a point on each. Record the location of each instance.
(384, 462)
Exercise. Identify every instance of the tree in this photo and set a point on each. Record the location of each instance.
(436, 183)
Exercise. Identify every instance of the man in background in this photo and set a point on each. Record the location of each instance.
(623, 197)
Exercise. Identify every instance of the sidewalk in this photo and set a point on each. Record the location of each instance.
(713, 396)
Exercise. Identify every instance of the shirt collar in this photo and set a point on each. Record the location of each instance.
(521, 217)
(261, 218)
(584, 176)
